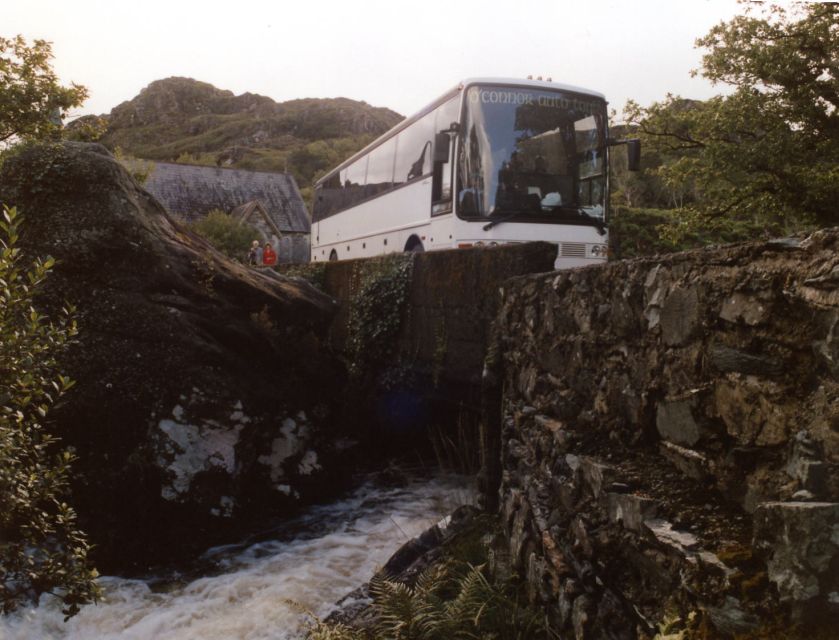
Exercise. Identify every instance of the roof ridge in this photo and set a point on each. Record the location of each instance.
(209, 166)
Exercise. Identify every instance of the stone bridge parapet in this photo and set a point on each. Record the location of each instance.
(670, 440)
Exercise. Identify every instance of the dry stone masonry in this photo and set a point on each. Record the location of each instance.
(670, 441)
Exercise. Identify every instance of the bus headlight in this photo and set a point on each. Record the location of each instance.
(599, 250)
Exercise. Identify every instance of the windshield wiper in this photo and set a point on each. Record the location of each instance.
(598, 222)
(489, 225)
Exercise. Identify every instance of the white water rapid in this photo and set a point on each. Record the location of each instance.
(313, 561)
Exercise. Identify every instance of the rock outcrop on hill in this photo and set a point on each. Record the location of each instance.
(190, 121)
(199, 382)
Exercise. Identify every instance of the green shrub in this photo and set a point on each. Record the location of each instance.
(139, 169)
(635, 231)
(41, 548)
(232, 237)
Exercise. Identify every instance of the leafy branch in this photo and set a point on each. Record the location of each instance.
(41, 548)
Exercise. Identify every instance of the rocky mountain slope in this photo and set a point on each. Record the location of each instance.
(184, 120)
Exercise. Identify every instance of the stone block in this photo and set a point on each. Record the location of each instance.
(679, 316)
(730, 618)
(754, 411)
(554, 555)
(727, 359)
(740, 307)
(674, 421)
(681, 542)
(568, 591)
(622, 316)
(580, 537)
(519, 535)
(510, 505)
(630, 510)
(805, 463)
(556, 428)
(802, 539)
(594, 474)
(690, 462)
(827, 349)
(538, 579)
(759, 488)
(654, 290)
(581, 615)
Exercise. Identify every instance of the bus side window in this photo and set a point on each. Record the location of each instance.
(352, 183)
(327, 199)
(380, 169)
(441, 191)
(413, 154)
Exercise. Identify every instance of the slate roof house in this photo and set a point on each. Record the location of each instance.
(271, 202)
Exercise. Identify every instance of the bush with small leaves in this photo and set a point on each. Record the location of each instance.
(230, 236)
(41, 548)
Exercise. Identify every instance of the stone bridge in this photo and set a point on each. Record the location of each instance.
(659, 436)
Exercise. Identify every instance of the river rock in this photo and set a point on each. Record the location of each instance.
(198, 379)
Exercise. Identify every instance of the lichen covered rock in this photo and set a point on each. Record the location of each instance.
(189, 367)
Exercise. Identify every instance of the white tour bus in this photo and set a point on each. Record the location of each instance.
(492, 161)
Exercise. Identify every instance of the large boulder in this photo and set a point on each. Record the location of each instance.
(200, 382)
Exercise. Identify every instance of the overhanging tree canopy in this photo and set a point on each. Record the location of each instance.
(31, 97)
(765, 157)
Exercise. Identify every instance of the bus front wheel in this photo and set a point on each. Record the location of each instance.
(333, 256)
(414, 245)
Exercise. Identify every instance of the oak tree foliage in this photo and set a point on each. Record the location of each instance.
(32, 100)
(763, 158)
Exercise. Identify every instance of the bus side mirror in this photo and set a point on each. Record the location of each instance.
(441, 148)
(633, 154)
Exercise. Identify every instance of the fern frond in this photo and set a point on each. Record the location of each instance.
(475, 594)
(395, 606)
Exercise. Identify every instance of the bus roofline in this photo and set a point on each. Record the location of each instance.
(515, 82)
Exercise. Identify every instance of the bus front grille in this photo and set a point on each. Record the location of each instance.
(572, 250)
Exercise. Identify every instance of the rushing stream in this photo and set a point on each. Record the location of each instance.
(257, 589)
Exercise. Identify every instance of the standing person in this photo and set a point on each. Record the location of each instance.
(269, 256)
(255, 254)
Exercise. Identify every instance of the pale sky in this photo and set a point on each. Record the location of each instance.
(390, 53)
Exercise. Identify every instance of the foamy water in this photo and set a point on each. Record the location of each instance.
(335, 548)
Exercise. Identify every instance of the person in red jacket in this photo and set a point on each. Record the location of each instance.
(269, 256)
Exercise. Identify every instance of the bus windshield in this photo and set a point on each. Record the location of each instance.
(538, 156)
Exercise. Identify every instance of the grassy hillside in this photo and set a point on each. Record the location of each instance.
(184, 120)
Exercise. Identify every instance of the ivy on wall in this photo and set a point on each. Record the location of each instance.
(376, 312)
